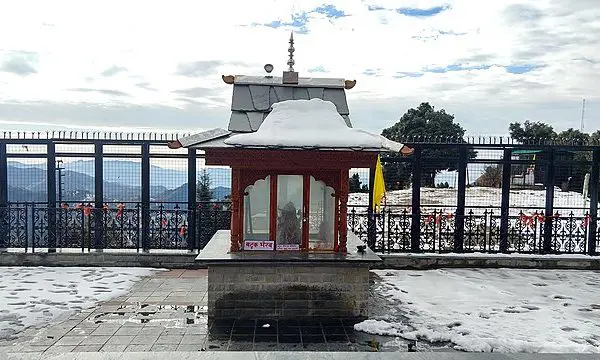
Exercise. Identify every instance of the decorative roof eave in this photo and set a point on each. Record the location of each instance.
(199, 138)
(203, 141)
(278, 81)
(175, 144)
(404, 150)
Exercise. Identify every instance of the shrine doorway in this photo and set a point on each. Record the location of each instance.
(295, 211)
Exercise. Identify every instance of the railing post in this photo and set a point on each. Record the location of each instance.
(191, 213)
(51, 190)
(98, 197)
(549, 210)
(459, 225)
(415, 228)
(146, 197)
(505, 202)
(594, 184)
(4, 211)
(371, 233)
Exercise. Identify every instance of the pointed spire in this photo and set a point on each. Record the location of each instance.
(291, 49)
(290, 76)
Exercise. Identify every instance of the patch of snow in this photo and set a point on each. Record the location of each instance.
(500, 310)
(381, 327)
(277, 80)
(36, 296)
(311, 123)
(203, 137)
(495, 255)
(528, 201)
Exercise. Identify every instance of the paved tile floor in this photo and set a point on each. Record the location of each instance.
(164, 316)
(168, 312)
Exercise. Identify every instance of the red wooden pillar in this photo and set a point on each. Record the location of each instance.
(343, 226)
(273, 210)
(305, 212)
(236, 208)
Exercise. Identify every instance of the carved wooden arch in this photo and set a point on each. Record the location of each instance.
(250, 177)
(332, 179)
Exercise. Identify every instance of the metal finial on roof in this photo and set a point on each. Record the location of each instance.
(291, 51)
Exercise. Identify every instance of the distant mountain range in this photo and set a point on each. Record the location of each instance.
(180, 194)
(122, 182)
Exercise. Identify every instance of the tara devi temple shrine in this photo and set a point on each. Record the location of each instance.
(290, 145)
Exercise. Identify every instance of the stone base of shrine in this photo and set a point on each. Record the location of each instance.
(286, 285)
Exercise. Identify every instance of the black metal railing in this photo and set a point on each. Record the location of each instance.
(482, 233)
(84, 227)
(121, 228)
(159, 214)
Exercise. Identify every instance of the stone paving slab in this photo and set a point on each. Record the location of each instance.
(168, 312)
(155, 306)
(297, 356)
(164, 316)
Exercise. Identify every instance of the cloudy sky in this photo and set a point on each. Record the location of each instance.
(157, 65)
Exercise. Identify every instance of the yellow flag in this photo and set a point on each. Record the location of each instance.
(378, 186)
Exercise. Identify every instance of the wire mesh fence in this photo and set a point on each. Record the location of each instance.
(487, 194)
(500, 198)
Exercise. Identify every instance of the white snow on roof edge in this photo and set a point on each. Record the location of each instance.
(203, 137)
(278, 81)
(310, 123)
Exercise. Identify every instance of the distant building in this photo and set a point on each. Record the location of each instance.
(532, 172)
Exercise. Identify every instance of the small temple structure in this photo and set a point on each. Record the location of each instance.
(290, 145)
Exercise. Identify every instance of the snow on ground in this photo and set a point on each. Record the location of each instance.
(34, 296)
(481, 255)
(482, 196)
(500, 310)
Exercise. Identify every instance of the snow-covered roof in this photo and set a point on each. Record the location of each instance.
(253, 98)
(277, 80)
(296, 124)
(314, 124)
(204, 137)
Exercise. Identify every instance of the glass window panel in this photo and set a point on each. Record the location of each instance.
(256, 210)
(289, 211)
(321, 216)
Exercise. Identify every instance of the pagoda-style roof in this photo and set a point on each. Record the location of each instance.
(300, 113)
(313, 124)
(254, 96)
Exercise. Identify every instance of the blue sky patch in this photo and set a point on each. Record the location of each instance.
(300, 20)
(522, 69)
(317, 69)
(330, 11)
(371, 72)
(416, 12)
(404, 74)
(456, 67)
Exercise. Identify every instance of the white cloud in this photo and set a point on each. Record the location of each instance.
(74, 43)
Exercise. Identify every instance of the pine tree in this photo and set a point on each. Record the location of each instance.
(203, 192)
(425, 122)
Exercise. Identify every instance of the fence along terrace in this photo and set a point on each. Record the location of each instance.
(92, 190)
(163, 199)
